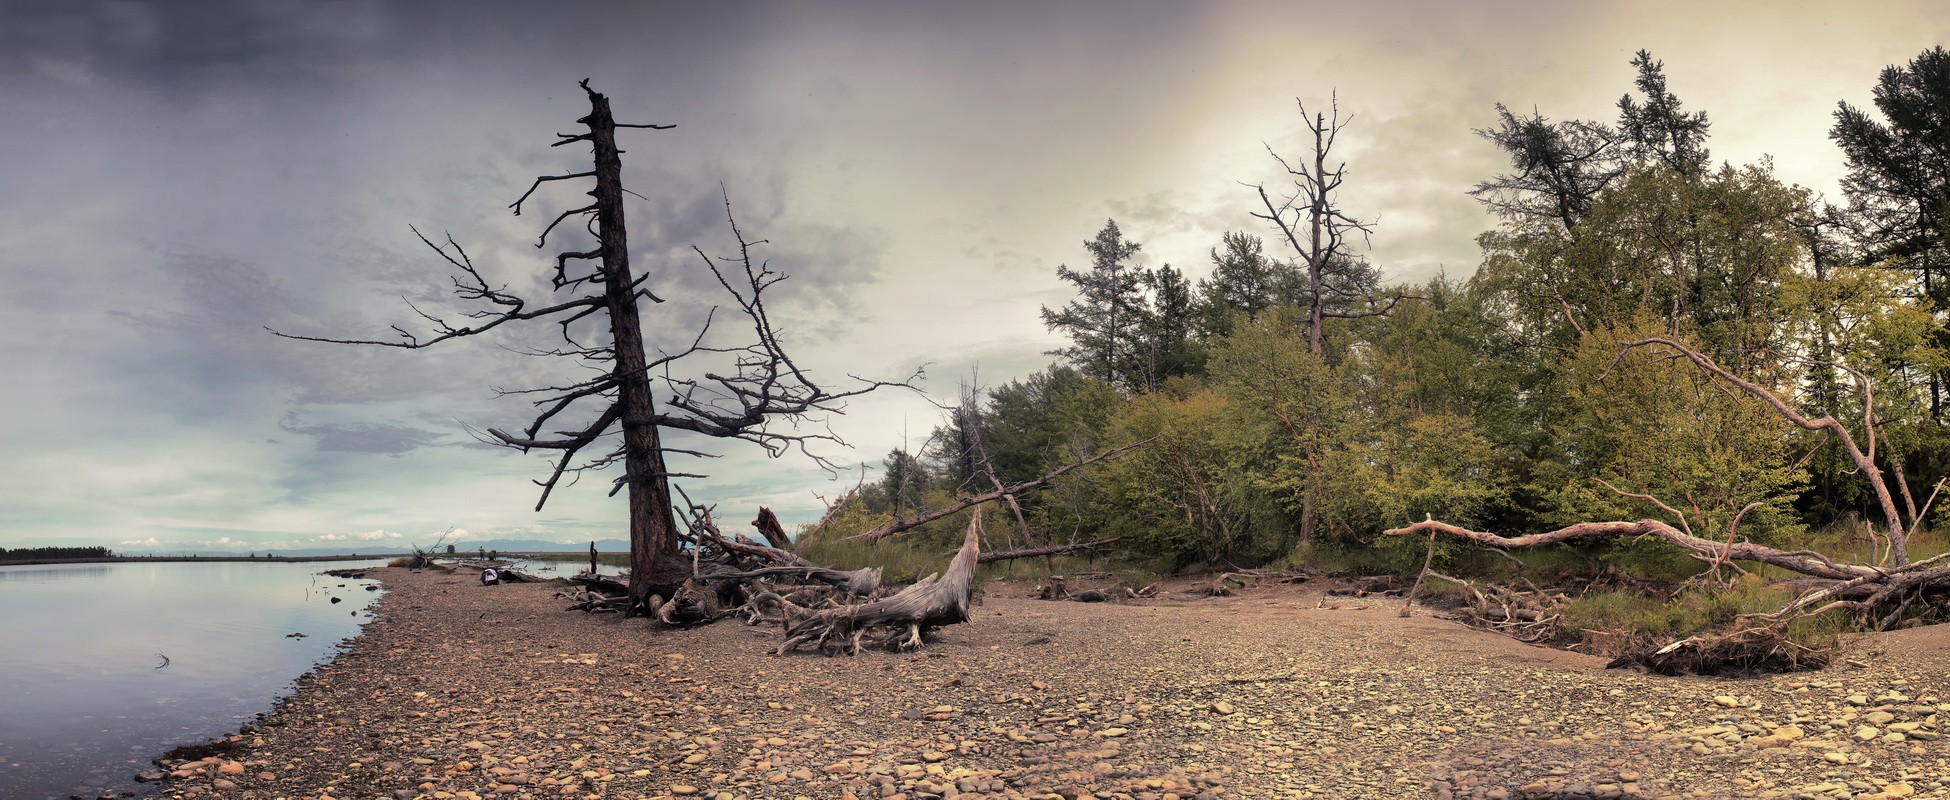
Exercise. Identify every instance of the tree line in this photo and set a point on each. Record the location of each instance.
(41, 553)
(1297, 404)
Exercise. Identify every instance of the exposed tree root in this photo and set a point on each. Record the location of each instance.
(1880, 597)
(1746, 650)
(898, 622)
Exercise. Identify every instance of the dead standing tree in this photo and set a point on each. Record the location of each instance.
(1878, 594)
(1312, 222)
(763, 384)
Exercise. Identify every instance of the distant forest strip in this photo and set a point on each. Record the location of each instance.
(53, 553)
(40, 555)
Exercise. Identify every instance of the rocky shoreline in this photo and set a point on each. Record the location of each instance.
(461, 691)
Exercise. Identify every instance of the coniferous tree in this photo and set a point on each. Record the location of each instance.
(1244, 281)
(1103, 322)
(1898, 180)
(1168, 346)
(1560, 167)
(1658, 131)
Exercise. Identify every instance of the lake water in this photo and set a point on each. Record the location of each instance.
(86, 699)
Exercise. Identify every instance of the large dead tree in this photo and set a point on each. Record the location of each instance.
(617, 414)
(1877, 593)
(1310, 219)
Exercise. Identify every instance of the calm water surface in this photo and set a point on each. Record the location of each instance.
(85, 698)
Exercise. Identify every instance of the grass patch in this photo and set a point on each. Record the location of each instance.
(1620, 622)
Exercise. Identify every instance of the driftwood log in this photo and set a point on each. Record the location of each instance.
(1051, 550)
(898, 622)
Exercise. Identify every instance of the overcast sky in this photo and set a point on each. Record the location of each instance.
(180, 175)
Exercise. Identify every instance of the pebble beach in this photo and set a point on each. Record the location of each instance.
(457, 690)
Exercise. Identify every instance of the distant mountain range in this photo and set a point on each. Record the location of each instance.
(378, 549)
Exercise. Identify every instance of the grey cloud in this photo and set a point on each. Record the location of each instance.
(389, 440)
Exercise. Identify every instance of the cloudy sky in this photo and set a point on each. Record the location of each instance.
(181, 175)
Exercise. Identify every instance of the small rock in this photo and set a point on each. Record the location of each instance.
(1224, 707)
(1726, 700)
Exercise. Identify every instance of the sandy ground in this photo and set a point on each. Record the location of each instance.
(463, 691)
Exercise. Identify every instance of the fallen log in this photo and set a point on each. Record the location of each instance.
(898, 622)
(1052, 550)
(1801, 561)
(864, 582)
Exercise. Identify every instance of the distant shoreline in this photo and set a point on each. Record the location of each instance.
(560, 555)
(125, 559)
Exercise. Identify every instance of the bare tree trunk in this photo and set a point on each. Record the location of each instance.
(655, 566)
(1307, 512)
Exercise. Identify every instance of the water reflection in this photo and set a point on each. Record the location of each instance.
(107, 665)
(50, 573)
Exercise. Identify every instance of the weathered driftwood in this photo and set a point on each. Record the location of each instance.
(1804, 562)
(897, 622)
(863, 582)
(1051, 550)
(769, 527)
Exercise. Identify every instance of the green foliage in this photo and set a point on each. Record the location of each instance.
(1187, 495)
(1898, 179)
(1508, 401)
(1244, 282)
(1646, 423)
(901, 558)
(1103, 322)
(1167, 347)
(1656, 129)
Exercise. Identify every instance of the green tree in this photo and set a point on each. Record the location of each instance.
(1168, 347)
(1707, 254)
(1657, 129)
(1103, 322)
(1189, 495)
(1898, 182)
(1244, 282)
(905, 480)
(1648, 424)
(1034, 425)
(1269, 370)
(1559, 168)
